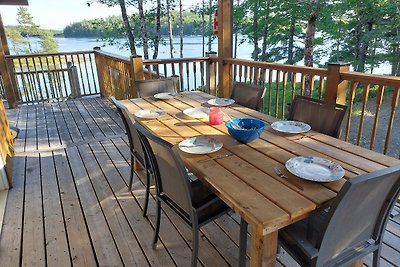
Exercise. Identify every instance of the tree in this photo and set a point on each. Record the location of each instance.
(143, 29)
(47, 42)
(26, 25)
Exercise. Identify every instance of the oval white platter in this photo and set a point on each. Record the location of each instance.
(150, 113)
(165, 96)
(200, 145)
(315, 169)
(221, 102)
(197, 113)
(290, 126)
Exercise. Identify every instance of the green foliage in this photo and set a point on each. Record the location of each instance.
(19, 36)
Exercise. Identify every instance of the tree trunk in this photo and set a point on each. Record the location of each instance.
(181, 28)
(203, 32)
(158, 29)
(210, 16)
(128, 28)
(143, 30)
(265, 34)
(309, 47)
(171, 40)
(309, 42)
(364, 48)
(292, 29)
(357, 48)
(236, 36)
(255, 30)
(396, 60)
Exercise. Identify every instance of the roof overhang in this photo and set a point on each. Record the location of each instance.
(14, 2)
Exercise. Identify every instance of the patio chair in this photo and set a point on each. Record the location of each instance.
(247, 95)
(151, 87)
(323, 117)
(353, 226)
(187, 196)
(136, 149)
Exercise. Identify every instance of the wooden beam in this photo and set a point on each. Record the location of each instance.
(5, 74)
(225, 13)
(14, 2)
(336, 88)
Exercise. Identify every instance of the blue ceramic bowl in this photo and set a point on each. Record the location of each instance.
(252, 129)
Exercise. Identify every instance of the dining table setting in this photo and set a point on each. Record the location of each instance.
(271, 172)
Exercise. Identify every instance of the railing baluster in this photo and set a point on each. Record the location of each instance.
(277, 79)
(283, 95)
(312, 79)
(379, 98)
(303, 84)
(320, 87)
(93, 76)
(269, 90)
(87, 73)
(202, 76)
(180, 65)
(353, 88)
(194, 75)
(293, 74)
(395, 100)
(364, 105)
(187, 76)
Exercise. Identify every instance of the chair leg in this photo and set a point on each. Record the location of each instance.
(376, 258)
(157, 229)
(243, 242)
(132, 172)
(195, 252)
(146, 197)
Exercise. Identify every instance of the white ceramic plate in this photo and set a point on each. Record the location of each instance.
(165, 96)
(290, 126)
(200, 145)
(197, 113)
(221, 102)
(315, 169)
(150, 113)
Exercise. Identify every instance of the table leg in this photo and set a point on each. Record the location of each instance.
(243, 243)
(357, 263)
(136, 166)
(263, 248)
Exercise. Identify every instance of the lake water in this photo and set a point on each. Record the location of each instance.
(192, 48)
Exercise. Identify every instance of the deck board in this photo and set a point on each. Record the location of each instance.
(70, 204)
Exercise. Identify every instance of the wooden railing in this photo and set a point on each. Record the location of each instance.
(372, 99)
(58, 76)
(373, 103)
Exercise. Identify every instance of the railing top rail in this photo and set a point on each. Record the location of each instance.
(277, 66)
(371, 78)
(49, 54)
(175, 60)
(112, 56)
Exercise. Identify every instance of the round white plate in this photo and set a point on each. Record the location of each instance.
(197, 113)
(200, 145)
(165, 96)
(290, 126)
(221, 102)
(150, 113)
(315, 169)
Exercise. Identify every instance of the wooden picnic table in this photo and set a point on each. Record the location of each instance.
(246, 180)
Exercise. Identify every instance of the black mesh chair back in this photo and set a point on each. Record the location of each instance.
(247, 95)
(354, 225)
(135, 146)
(151, 87)
(187, 196)
(323, 117)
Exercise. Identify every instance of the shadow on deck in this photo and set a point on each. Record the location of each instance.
(70, 205)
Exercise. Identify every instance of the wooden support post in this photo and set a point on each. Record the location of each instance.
(100, 69)
(336, 88)
(211, 71)
(225, 13)
(177, 82)
(4, 71)
(136, 72)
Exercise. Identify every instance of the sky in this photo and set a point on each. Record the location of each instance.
(56, 14)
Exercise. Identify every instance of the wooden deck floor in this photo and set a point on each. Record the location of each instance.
(70, 205)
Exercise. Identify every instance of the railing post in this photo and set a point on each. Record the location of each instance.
(177, 82)
(73, 80)
(7, 80)
(225, 14)
(100, 68)
(211, 71)
(137, 67)
(336, 88)
(136, 72)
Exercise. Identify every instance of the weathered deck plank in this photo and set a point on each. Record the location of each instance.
(70, 204)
